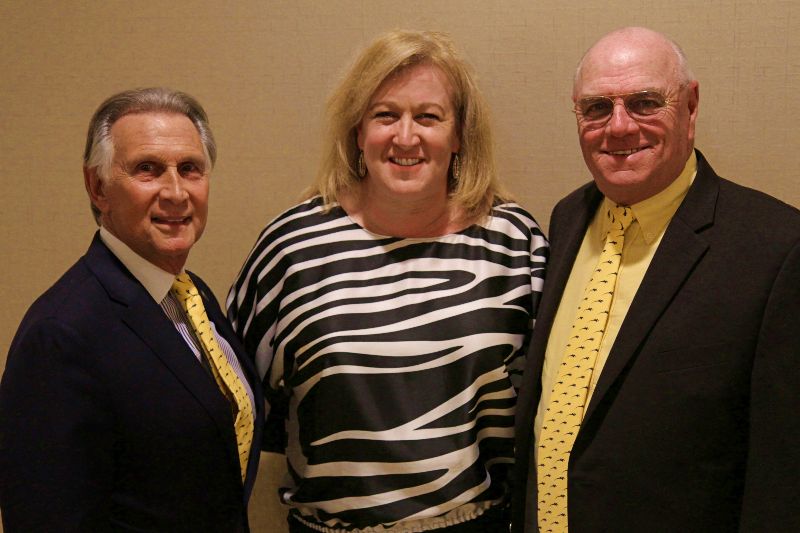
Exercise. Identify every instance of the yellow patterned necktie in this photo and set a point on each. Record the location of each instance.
(564, 413)
(229, 383)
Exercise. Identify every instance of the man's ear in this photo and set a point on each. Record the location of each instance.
(694, 98)
(693, 106)
(95, 187)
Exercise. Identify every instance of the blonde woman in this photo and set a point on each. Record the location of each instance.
(389, 314)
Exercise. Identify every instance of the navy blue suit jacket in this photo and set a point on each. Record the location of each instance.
(108, 422)
(694, 424)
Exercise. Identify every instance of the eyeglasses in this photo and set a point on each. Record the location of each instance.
(595, 111)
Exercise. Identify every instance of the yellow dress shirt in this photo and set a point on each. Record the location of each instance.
(641, 242)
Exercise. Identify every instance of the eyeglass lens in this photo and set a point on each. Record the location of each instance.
(641, 104)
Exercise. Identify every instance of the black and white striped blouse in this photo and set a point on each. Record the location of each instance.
(400, 359)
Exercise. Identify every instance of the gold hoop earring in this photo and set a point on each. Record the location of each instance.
(455, 168)
(362, 166)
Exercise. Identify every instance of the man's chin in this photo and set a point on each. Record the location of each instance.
(624, 188)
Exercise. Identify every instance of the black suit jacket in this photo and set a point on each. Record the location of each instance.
(693, 425)
(108, 422)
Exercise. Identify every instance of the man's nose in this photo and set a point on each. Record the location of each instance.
(620, 123)
(173, 187)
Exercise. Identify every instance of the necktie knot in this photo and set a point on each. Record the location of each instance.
(183, 287)
(620, 217)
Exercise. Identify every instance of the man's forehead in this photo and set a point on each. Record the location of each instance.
(146, 120)
(155, 129)
(627, 67)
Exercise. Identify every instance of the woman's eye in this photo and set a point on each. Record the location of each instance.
(428, 117)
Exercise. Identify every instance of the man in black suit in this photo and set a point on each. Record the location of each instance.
(114, 414)
(688, 420)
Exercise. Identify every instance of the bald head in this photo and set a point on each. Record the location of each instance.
(618, 46)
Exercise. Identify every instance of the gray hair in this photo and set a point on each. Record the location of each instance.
(99, 152)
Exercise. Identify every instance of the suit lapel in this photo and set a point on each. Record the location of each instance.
(680, 250)
(145, 318)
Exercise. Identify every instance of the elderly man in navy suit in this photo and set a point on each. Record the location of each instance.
(126, 403)
(662, 386)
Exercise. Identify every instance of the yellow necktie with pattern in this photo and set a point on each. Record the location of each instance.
(564, 413)
(229, 383)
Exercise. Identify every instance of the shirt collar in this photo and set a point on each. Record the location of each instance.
(157, 282)
(654, 213)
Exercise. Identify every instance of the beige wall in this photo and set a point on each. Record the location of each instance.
(263, 69)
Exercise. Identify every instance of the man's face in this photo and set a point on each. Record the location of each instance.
(155, 199)
(633, 160)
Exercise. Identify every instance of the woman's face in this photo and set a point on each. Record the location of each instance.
(409, 134)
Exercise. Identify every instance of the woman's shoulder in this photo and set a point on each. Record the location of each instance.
(299, 212)
(302, 217)
(290, 234)
(508, 206)
(512, 215)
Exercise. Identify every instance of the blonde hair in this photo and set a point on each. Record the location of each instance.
(477, 187)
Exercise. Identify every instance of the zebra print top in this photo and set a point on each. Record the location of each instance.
(400, 360)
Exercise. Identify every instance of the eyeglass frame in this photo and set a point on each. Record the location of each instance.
(634, 116)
